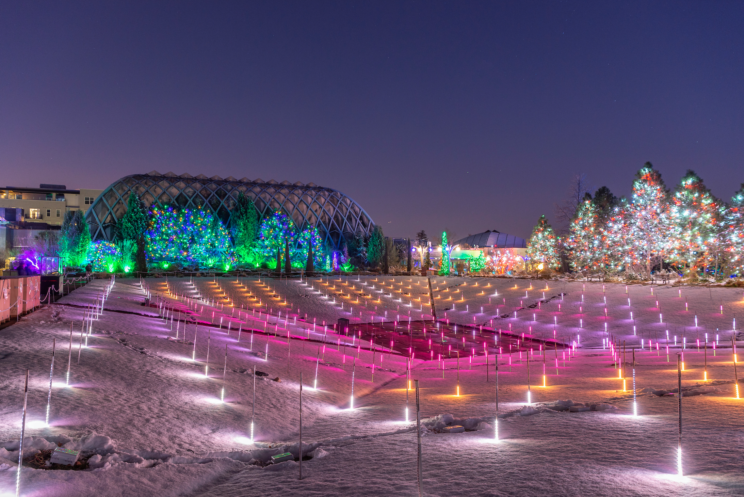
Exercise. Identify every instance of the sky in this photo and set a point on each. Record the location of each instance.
(464, 116)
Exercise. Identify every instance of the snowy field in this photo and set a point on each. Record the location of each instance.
(144, 400)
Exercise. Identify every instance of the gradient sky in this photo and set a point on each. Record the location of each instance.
(463, 116)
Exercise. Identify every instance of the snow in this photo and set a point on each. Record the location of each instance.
(148, 421)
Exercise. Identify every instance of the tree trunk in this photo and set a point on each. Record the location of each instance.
(287, 261)
(310, 266)
(410, 262)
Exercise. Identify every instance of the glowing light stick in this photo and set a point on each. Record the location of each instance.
(51, 373)
(224, 373)
(496, 419)
(253, 405)
(196, 332)
(529, 393)
(353, 371)
(23, 432)
(635, 404)
(206, 364)
(317, 363)
(679, 410)
(69, 359)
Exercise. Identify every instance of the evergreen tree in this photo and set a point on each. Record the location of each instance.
(385, 257)
(445, 265)
(643, 233)
(585, 242)
(134, 223)
(544, 245)
(133, 227)
(604, 203)
(733, 232)
(274, 232)
(376, 247)
(695, 220)
(74, 239)
(245, 229)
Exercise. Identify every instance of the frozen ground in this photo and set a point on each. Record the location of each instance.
(154, 423)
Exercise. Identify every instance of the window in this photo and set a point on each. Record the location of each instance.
(50, 196)
(49, 213)
(19, 196)
(34, 214)
(88, 200)
(58, 215)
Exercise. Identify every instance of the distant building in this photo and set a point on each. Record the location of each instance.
(492, 239)
(45, 205)
(25, 212)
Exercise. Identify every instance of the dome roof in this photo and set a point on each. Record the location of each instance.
(333, 213)
(494, 239)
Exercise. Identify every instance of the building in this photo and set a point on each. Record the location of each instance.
(335, 215)
(492, 239)
(45, 205)
(25, 212)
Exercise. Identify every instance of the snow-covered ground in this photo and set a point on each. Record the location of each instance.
(155, 425)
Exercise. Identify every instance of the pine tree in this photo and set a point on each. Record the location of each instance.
(134, 223)
(586, 239)
(733, 233)
(245, 229)
(274, 232)
(445, 265)
(74, 239)
(544, 245)
(695, 219)
(644, 234)
(376, 247)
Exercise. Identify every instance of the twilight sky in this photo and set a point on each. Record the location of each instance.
(463, 116)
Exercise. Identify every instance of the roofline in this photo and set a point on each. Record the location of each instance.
(38, 190)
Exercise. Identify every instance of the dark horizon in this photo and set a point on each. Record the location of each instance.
(433, 117)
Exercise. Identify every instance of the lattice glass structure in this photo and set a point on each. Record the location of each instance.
(336, 216)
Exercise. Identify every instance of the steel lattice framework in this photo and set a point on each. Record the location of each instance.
(334, 214)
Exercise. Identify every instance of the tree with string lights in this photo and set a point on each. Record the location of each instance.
(585, 242)
(733, 233)
(544, 246)
(695, 222)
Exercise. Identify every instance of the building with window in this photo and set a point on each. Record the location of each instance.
(27, 212)
(45, 205)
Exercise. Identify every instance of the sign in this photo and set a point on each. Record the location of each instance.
(64, 456)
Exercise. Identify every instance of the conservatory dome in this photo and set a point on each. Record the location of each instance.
(335, 215)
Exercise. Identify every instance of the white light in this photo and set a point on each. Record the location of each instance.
(351, 403)
(635, 408)
(679, 461)
(529, 400)
(496, 429)
(251, 431)
(406, 415)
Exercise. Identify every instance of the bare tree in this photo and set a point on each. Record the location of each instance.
(565, 211)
